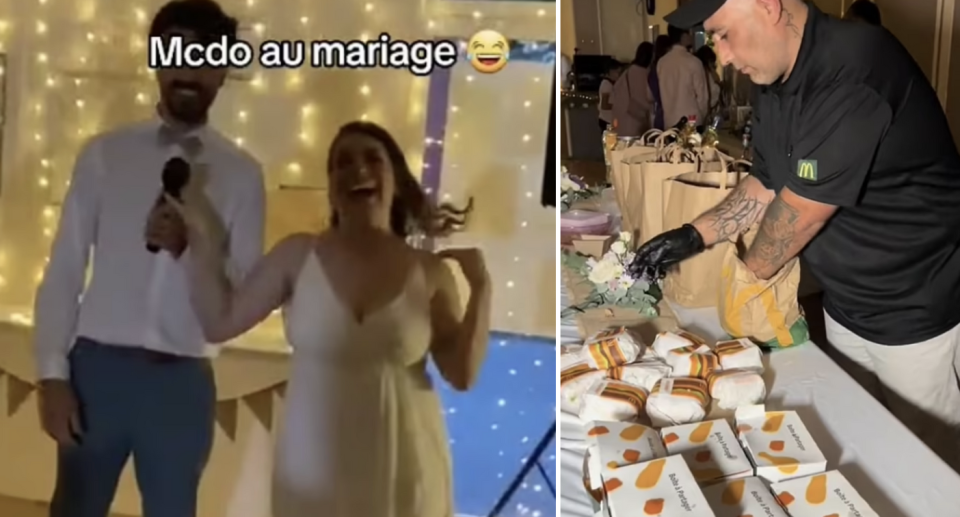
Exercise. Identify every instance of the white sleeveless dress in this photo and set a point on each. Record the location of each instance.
(362, 434)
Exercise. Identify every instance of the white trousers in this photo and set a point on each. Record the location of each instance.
(918, 383)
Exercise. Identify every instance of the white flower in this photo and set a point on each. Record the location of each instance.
(625, 237)
(605, 271)
(625, 282)
(618, 247)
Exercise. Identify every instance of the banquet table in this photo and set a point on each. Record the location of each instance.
(891, 468)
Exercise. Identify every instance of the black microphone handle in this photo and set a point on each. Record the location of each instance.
(153, 248)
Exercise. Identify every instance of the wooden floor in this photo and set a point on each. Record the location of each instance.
(20, 508)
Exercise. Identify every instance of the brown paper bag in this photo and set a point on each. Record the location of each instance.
(645, 148)
(764, 311)
(642, 201)
(641, 177)
(712, 160)
(620, 176)
(644, 145)
(695, 283)
(591, 321)
(649, 142)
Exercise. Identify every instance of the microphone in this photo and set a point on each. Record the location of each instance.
(176, 174)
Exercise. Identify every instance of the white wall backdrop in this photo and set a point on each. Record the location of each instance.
(77, 67)
(494, 150)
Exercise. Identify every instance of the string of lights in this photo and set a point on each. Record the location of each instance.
(71, 106)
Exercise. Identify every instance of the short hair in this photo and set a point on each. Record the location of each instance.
(676, 33)
(205, 18)
(644, 55)
(866, 11)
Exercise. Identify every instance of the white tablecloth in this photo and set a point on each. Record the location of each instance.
(895, 472)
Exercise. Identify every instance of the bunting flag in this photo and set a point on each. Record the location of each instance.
(261, 403)
(17, 393)
(226, 416)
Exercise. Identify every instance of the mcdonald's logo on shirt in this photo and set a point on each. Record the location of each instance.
(807, 170)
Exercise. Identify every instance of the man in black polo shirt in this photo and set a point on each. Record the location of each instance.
(854, 166)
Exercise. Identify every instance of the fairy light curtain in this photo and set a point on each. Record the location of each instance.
(78, 67)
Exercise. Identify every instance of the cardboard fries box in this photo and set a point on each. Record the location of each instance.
(616, 444)
(744, 496)
(828, 493)
(597, 501)
(661, 487)
(710, 449)
(778, 443)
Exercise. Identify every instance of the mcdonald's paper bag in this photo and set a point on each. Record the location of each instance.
(648, 144)
(764, 311)
(623, 181)
(644, 201)
(672, 162)
(695, 282)
(647, 148)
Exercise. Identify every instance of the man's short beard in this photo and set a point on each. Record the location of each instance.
(190, 115)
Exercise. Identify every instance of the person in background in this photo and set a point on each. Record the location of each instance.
(683, 85)
(605, 106)
(632, 99)
(864, 11)
(660, 48)
(124, 370)
(382, 451)
(714, 83)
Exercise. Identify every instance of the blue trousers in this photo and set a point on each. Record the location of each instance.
(155, 408)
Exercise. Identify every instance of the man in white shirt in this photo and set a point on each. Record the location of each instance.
(125, 372)
(683, 82)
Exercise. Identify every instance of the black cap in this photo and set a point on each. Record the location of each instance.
(693, 13)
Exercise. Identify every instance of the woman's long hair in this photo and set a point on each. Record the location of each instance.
(661, 46)
(644, 54)
(708, 57)
(412, 211)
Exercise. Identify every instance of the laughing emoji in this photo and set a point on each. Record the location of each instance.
(488, 51)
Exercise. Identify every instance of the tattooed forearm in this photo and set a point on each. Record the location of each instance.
(783, 234)
(776, 233)
(735, 214)
(740, 210)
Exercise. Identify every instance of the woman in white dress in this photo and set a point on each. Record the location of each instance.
(363, 434)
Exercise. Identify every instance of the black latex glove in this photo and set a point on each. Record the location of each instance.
(664, 251)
